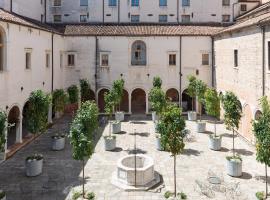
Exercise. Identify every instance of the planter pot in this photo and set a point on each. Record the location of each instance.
(192, 116)
(116, 127)
(119, 116)
(58, 115)
(2, 156)
(158, 144)
(155, 127)
(215, 143)
(201, 127)
(234, 167)
(33, 167)
(58, 143)
(154, 116)
(109, 143)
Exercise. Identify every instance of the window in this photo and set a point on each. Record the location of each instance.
(226, 18)
(27, 60)
(105, 60)
(235, 58)
(172, 59)
(71, 60)
(243, 7)
(163, 18)
(57, 18)
(185, 3)
(138, 53)
(83, 2)
(57, 2)
(112, 3)
(1, 52)
(269, 56)
(135, 18)
(205, 59)
(185, 18)
(83, 18)
(48, 60)
(162, 2)
(226, 2)
(135, 2)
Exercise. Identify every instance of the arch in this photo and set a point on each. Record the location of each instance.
(187, 102)
(2, 49)
(257, 114)
(138, 53)
(124, 105)
(138, 101)
(173, 95)
(101, 99)
(246, 122)
(14, 129)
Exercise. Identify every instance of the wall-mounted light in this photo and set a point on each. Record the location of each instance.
(148, 75)
(6, 107)
(197, 72)
(21, 88)
(43, 83)
(121, 75)
(95, 75)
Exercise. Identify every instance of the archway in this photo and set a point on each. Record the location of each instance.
(187, 102)
(258, 114)
(138, 101)
(124, 102)
(25, 132)
(101, 100)
(14, 129)
(173, 95)
(246, 122)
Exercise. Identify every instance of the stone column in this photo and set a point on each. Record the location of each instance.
(147, 104)
(19, 130)
(50, 114)
(129, 103)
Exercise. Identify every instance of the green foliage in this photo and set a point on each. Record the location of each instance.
(76, 195)
(2, 194)
(91, 196)
(157, 100)
(85, 90)
(118, 90)
(59, 99)
(171, 128)
(261, 128)
(191, 90)
(236, 158)
(233, 110)
(260, 195)
(181, 196)
(73, 94)
(3, 120)
(37, 112)
(110, 102)
(168, 194)
(212, 103)
(82, 129)
(157, 82)
(200, 90)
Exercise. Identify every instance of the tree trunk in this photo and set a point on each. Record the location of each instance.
(192, 104)
(83, 179)
(266, 182)
(215, 127)
(233, 144)
(174, 169)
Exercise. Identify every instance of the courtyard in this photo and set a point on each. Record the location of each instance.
(62, 175)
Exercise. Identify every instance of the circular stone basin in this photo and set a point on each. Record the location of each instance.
(144, 170)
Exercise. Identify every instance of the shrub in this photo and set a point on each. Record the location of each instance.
(91, 196)
(157, 100)
(118, 91)
(200, 91)
(168, 194)
(59, 99)
(2, 194)
(191, 90)
(73, 94)
(3, 120)
(260, 195)
(85, 90)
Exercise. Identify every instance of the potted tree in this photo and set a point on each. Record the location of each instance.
(110, 140)
(36, 123)
(171, 127)
(59, 99)
(261, 130)
(2, 195)
(81, 134)
(85, 89)
(58, 142)
(200, 90)
(73, 97)
(157, 83)
(212, 105)
(232, 115)
(118, 88)
(191, 91)
(3, 126)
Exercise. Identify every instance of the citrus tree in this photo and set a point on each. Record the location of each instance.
(261, 128)
(157, 82)
(85, 90)
(73, 94)
(200, 89)
(191, 90)
(212, 105)
(171, 128)
(3, 121)
(59, 100)
(118, 90)
(157, 99)
(82, 132)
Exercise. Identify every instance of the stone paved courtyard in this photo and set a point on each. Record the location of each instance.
(61, 173)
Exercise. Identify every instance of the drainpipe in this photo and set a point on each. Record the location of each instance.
(177, 10)
(52, 62)
(103, 11)
(119, 1)
(96, 59)
(213, 62)
(11, 5)
(180, 71)
(263, 60)
(45, 11)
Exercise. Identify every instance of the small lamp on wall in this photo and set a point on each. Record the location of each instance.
(148, 75)
(21, 88)
(6, 107)
(121, 75)
(43, 83)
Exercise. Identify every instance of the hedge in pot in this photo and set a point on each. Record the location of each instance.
(157, 83)
(58, 142)
(118, 89)
(212, 106)
(2, 195)
(59, 99)
(36, 123)
(85, 90)
(191, 91)
(171, 128)
(232, 115)
(73, 98)
(82, 131)
(200, 90)
(261, 129)
(3, 123)
(109, 140)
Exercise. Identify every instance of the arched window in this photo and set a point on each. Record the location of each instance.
(1, 51)
(138, 53)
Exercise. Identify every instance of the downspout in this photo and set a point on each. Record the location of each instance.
(11, 6)
(263, 60)
(119, 1)
(96, 64)
(177, 10)
(213, 62)
(52, 62)
(45, 11)
(103, 11)
(180, 71)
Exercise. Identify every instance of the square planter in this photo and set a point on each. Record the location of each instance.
(215, 142)
(58, 143)
(201, 127)
(234, 167)
(33, 167)
(119, 116)
(109, 143)
(192, 116)
(116, 127)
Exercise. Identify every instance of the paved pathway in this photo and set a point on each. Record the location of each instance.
(62, 173)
